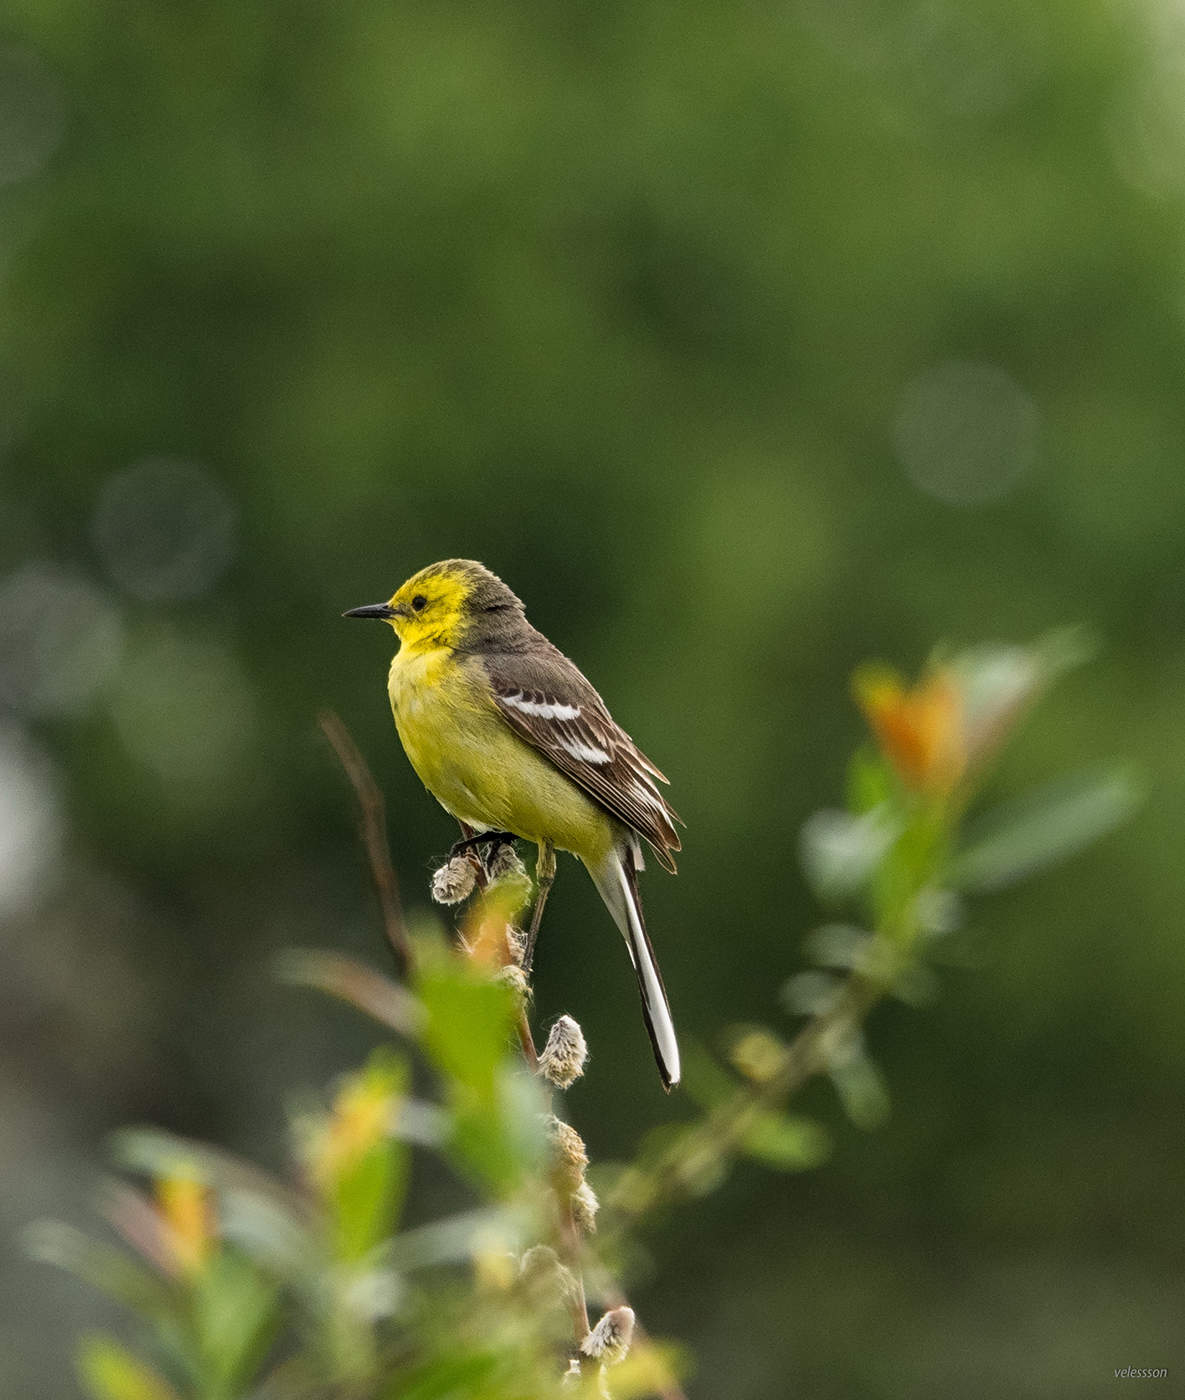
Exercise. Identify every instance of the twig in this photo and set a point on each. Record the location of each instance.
(569, 1236)
(722, 1131)
(525, 1039)
(544, 879)
(373, 826)
(569, 1233)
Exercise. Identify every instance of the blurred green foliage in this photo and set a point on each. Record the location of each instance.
(257, 1288)
(744, 344)
(250, 1284)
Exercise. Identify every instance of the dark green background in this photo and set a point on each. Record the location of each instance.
(626, 300)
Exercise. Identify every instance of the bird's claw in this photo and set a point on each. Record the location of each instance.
(493, 839)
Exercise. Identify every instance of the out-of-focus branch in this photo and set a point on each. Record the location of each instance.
(569, 1234)
(373, 827)
(721, 1133)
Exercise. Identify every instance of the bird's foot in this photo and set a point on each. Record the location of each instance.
(493, 839)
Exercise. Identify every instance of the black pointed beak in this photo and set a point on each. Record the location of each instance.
(380, 610)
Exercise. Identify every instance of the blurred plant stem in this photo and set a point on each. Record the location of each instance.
(570, 1239)
(680, 1170)
(898, 853)
(373, 830)
(514, 953)
(567, 1235)
(696, 1154)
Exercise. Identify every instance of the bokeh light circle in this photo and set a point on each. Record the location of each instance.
(965, 432)
(60, 639)
(30, 824)
(185, 709)
(165, 529)
(32, 114)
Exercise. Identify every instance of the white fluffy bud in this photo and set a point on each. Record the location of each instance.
(584, 1208)
(610, 1339)
(454, 881)
(562, 1058)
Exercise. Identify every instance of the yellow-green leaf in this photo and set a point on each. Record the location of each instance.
(109, 1371)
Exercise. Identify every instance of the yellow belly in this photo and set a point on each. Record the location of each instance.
(477, 768)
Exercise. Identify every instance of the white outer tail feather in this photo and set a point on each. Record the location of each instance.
(620, 895)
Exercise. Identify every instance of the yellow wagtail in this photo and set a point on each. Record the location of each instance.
(511, 739)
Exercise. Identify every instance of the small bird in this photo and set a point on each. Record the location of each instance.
(511, 739)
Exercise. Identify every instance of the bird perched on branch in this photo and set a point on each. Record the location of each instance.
(511, 739)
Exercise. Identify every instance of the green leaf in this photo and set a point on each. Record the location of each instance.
(340, 976)
(862, 1091)
(109, 1371)
(997, 676)
(451, 1378)
(999, 682)
(494, 1107)
(157, 1153)
(915, 985)
(367, 1185)
(500, 1139)
(279, 1242)
(235, 1313)
(840, 852)
(1045, 827)
(811, 993)
(704, 1078)
(871, 782)
(109, 1270)
(786, 1143)
(1064, 649)
(449, 1240)
(909, 866)
(838, 945)
(469, 1017)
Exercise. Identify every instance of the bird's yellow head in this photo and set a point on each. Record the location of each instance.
(444, 604)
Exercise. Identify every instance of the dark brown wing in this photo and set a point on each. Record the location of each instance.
(548, 702)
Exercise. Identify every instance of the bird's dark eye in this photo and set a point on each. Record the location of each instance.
(419, 602)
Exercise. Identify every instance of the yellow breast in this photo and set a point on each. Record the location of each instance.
(474, 764)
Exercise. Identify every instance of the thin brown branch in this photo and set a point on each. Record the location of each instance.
(544, 879)
(527, 1040)
(373, 825)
